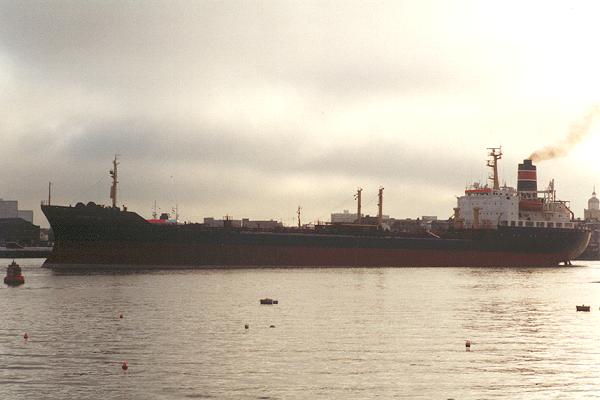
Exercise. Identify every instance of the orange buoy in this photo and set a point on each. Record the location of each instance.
(124, 366)
(25, 336)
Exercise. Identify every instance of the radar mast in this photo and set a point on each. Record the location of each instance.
(495, 154)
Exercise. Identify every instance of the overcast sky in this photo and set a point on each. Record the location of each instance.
(251, 108)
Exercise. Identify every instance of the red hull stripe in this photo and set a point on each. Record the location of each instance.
(115, 253)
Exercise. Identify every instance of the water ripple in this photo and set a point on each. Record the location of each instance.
(339, 333)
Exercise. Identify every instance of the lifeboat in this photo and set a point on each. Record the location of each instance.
(531, 204)
(13, 275)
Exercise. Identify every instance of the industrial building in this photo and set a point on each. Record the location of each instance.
(10, 209)
(16, 225)
(345, 217)
(242, 223)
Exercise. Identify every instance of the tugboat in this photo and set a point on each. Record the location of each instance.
(13, 275)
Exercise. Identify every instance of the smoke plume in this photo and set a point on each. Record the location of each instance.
(578, 131)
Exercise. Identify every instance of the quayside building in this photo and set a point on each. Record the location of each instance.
(16, 226)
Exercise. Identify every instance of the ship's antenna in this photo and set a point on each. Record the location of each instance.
(380, 206)
(298, 212)
(113, 188)
(357, 196)
(49, 192)
(495, 154)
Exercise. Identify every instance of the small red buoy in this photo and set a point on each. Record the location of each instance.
(25, 336)
(124, 366)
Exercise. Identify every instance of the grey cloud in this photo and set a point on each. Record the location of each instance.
(369, 80)
(170, 86)
(267, 153)
(158, 140)
(172, 145)
(123, 47)
(212, 170)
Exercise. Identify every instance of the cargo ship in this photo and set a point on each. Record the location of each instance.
(492, 226)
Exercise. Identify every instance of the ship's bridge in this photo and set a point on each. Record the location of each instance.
(493, 206)
(483, 206)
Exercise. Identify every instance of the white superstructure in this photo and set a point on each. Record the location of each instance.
(490, 207)
(484, 207)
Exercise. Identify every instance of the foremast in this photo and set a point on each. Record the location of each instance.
(115, 181)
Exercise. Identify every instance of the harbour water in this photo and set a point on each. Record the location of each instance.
(338, 333)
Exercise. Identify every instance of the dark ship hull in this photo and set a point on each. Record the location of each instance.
(94, 237)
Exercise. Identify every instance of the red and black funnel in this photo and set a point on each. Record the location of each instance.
(527, 178)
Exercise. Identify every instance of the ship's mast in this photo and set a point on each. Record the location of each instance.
(113, 188)
(154, 214)
(49, 192)
(357, 196)
(298, 213)
(380, 206)
(495, 154)
(553, 191)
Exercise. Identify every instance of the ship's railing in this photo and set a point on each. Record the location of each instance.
(539, 224)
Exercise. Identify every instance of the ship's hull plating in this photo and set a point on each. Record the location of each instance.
(97, 237)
